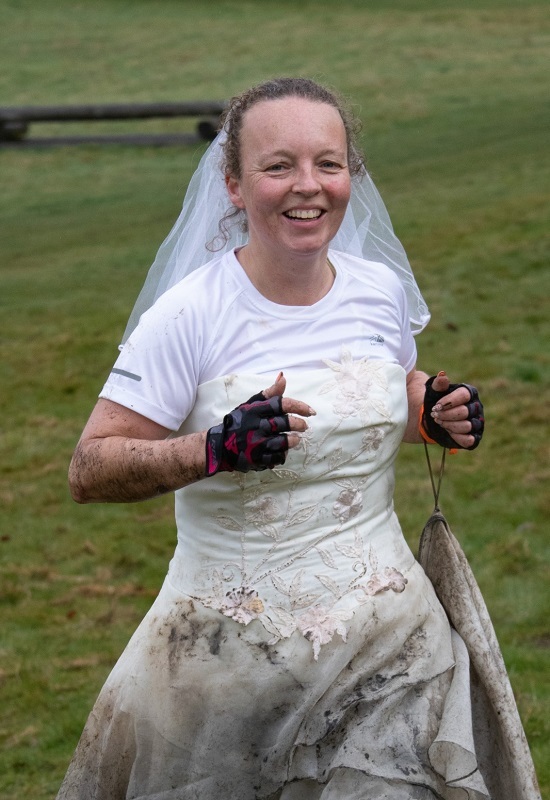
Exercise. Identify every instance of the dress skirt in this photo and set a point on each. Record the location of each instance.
(201, 707)
(296, 649)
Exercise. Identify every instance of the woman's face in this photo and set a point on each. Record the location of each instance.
(295, 182)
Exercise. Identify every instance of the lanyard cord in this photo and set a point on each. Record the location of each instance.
(435, 489)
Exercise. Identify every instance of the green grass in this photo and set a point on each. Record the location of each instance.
(454, 103)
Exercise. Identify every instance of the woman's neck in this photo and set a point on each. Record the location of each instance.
(298, 281)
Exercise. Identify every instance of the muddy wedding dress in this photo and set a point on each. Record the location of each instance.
(296, 649)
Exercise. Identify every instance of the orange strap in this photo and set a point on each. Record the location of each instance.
(424, 434)
(421, 428)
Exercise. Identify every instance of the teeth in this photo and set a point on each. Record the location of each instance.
(299, 214)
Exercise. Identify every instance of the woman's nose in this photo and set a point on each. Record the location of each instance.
(306, 181)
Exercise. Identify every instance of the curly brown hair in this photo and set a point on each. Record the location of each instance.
(276, 89)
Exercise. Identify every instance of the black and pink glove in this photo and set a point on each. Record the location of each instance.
(251, 437)
(438, 434)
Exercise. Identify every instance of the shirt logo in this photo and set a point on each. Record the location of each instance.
(376, 339)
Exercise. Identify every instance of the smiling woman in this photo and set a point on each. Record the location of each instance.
(294, 184)
(296, 648)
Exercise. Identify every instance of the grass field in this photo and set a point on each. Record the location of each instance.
(454, 103)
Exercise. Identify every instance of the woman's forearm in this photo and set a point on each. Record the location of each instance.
(116, 469)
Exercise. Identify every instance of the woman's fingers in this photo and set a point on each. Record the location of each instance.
(441, 382)
(460, 419)
(454, 414)
(455, 399)
(296, 424)
(463, 440)
(293, 440)
(276, 388)
(463, 427)
(289, 405)
(460, 429)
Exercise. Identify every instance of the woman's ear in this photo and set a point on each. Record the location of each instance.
(234, 191)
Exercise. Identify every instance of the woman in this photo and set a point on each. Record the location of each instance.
(296, 649)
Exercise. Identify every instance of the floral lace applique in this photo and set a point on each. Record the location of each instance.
(319, 622)
(313, 607)
(354, 381)
(384, 580)
(243, 605)
(348, 504)
(319, 625)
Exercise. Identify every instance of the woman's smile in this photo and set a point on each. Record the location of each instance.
(303, 213)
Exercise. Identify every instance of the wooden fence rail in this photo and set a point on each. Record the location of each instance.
(15, 121)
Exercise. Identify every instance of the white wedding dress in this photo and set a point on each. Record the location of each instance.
(296, 648)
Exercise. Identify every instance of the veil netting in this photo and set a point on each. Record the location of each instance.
(366, 232)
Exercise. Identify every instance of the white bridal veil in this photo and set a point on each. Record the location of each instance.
(366, 232)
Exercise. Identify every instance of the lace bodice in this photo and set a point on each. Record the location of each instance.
(299, 547)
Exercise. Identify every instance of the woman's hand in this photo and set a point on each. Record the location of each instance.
(452, 413)
(257, 434)
(123, 457)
